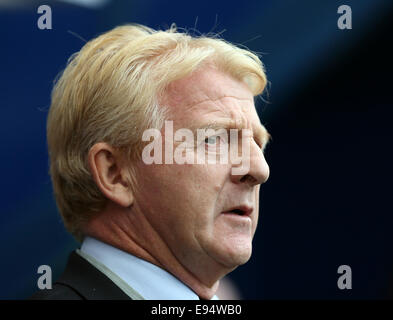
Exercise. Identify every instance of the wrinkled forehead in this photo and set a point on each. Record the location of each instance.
(204, 85)
(212, 99)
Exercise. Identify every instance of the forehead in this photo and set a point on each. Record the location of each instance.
(207, 94)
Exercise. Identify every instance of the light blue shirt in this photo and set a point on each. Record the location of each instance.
(136, 277)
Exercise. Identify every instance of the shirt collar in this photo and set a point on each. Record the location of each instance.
(149, 280)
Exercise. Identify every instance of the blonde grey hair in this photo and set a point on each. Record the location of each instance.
(108, 93)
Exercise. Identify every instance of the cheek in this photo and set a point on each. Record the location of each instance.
(187, 193)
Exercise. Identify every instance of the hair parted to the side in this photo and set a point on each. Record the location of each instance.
(109, 92)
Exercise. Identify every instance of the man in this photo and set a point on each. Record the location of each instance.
(166, 229)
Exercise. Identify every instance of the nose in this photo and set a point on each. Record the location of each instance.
(258, 171)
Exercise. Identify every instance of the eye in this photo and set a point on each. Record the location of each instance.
(211, 140)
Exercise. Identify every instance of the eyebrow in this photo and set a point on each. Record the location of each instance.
(260, 133)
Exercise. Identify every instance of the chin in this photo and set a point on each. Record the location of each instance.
(236, 255)
(228, 250)
(242, 257)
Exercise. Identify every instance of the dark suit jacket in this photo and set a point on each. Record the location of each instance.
(81, 281)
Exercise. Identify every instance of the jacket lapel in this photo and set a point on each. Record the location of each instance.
(88, 282)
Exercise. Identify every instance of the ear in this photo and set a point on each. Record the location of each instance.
(109, 175)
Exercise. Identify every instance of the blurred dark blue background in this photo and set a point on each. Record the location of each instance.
(328, 108)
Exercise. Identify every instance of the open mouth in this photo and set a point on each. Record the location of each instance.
(240, 211)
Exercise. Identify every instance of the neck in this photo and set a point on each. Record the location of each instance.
(121, 230)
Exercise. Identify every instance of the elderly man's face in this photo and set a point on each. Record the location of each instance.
(188, 204)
